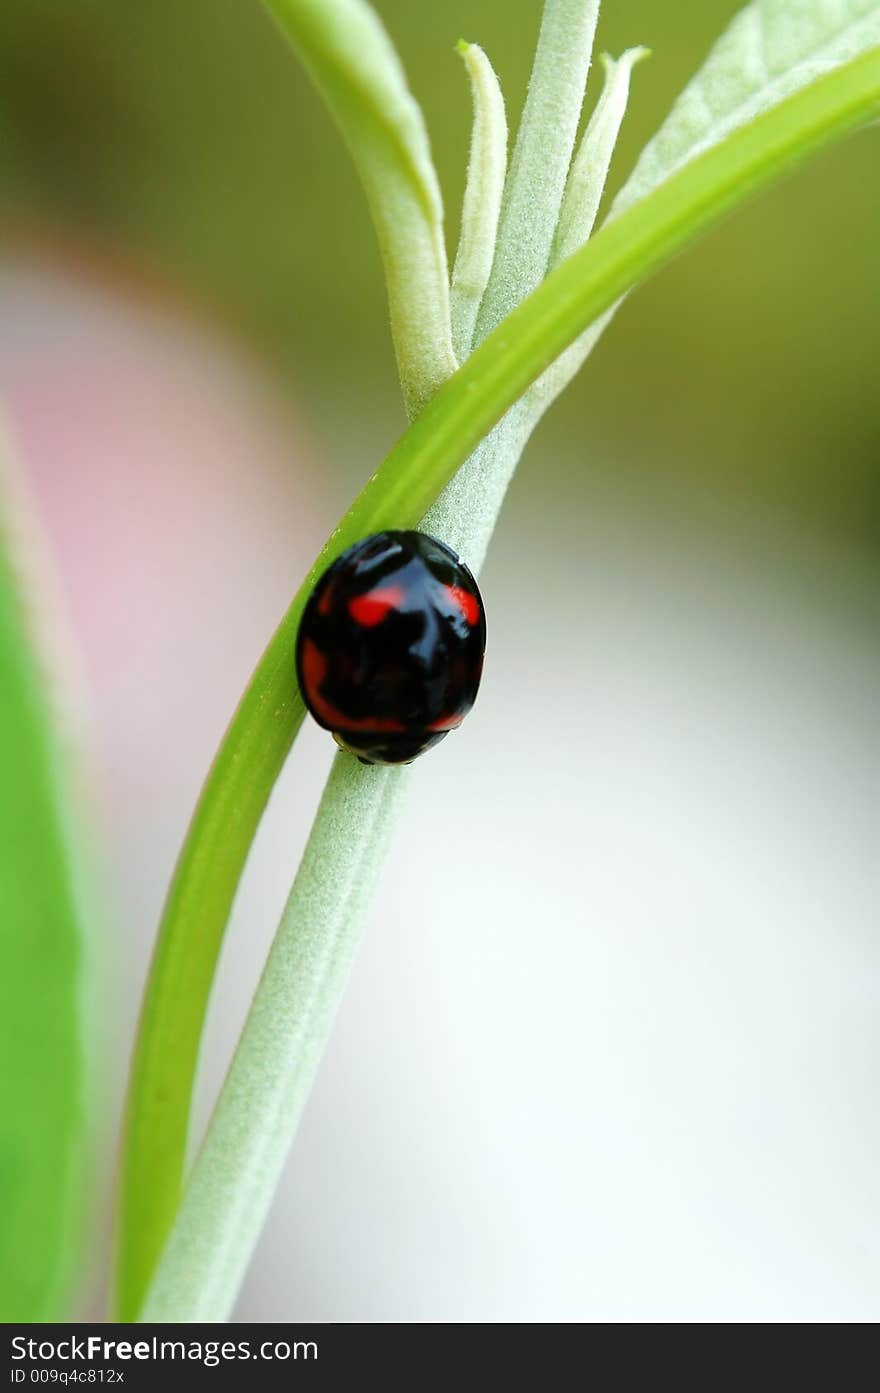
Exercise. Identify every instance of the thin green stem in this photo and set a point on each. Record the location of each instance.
(464, 409)
(236, 1172)
(541, 157)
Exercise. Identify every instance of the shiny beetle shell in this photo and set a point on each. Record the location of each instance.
(389, 652)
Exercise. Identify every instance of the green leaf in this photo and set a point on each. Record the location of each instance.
(589, 170)
(42, 1113)
(577, 217)
(482, 198)
(770, 50)
(212, 1236)
(354, 65)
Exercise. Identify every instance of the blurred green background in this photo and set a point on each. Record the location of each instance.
(183, 139)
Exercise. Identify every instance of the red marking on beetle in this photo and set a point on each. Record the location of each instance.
(370, 609)
(465, 601)
(326, 599)
(447, 722)
(314, 670)
(372, 725)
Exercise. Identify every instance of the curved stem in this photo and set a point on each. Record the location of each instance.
(235, 1175)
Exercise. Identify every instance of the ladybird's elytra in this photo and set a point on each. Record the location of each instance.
(389, 653)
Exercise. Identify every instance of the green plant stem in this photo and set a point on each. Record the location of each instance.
(236, 1172)
(541, 157)
(464, 409)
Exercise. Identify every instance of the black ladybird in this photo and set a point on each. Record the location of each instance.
(389, 653)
